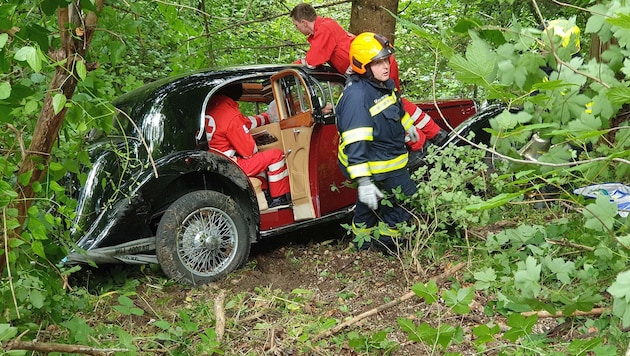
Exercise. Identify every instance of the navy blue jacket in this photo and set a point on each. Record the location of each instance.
(371, 122)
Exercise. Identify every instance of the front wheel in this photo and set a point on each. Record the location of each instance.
(202, 237)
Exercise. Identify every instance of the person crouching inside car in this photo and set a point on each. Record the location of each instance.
(227, 130)
(372, 125)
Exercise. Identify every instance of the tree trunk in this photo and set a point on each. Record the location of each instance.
(373, 16)
(73, 48)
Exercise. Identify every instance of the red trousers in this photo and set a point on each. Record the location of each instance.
(271, 168)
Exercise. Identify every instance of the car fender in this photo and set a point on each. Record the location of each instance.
(158, 185)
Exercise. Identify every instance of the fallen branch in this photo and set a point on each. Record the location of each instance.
(566, 243)
(219, 314)
(47, 347)
(558, 314)
(382, 307)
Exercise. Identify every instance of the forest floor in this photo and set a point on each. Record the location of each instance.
(283, 302)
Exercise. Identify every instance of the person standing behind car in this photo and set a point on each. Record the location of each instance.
(330, 43)
(372, 125)
(227, 130)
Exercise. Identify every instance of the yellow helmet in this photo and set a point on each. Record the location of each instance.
(568, 33)
(366, 48)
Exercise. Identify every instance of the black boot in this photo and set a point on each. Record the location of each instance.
(283, 201)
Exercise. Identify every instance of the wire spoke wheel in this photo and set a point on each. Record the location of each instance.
(207, 241)
(202, 237)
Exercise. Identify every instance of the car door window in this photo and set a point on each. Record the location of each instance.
(291, 94)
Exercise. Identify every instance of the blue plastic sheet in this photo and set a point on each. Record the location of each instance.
(617, 192)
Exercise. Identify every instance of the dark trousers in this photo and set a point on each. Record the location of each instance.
(366, 218)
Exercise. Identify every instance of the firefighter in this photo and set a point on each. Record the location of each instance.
(227, 131)
(330, 43)
(372, 125)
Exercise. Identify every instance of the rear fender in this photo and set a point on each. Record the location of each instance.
(136, 216)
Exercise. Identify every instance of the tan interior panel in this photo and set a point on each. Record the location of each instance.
(296, 124)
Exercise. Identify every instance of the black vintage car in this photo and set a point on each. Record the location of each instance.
(155, 193)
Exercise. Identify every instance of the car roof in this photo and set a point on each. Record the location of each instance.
(211, 77)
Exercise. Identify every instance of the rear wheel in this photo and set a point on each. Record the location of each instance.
(202, 237)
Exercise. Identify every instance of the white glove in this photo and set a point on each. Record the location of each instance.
(272, 110)
(412, 133)
(369, 194)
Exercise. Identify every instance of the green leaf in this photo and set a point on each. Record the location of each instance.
(25, 177)
(595, 23)
(16, 242)
(519, 326)
(38, 248)
(600, 215)
(162, 324)
(621, 20)
(30, 55)
(5, 90)
(485, 334)
(427, 292)
(459, 299)
(36, 298)
(485, 278)
(56, 166)
(581, 347)
(624, 241)
(480, 65)
(59, 102)
(618, 95)
(125, 300)
(465, 24)
(500, 199)
(563, 269)
(79, 329)
(620, 290)
(81, 69)
(584, 125)
(409, 328)
(527, 278)
(4, 37)
(7, 332)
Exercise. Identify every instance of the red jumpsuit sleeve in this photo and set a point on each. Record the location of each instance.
(322, 46)
(241, 139)
(255, 121)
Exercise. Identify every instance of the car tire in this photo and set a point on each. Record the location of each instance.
(202, 237)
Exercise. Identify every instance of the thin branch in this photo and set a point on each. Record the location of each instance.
(48, 347)
(194, 9)
(268, 18)
(18, 136)
(5, 234)
(144, 143)
(566, 243)
(559, 314)
(574, 7)
(219, 314)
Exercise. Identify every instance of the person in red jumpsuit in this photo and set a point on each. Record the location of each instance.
(330, 43)
(227, 131)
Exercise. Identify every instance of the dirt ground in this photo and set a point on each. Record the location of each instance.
(344, 284)
(332, 268)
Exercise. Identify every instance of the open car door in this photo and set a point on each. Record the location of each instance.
(295, 110)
